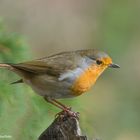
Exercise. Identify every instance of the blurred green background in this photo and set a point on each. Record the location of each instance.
(33, 29)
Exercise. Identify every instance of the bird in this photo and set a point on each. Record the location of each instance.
(62, 75)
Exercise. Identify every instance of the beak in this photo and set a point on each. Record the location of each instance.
(114, 65)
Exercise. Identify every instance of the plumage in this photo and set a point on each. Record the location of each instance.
(55, 76)
(58, 63)
(17, 82)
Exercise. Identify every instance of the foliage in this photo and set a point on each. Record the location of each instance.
(23, 115)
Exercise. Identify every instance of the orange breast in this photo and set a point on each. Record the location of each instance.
(86, 80)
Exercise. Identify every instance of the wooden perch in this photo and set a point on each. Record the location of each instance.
(63, 128)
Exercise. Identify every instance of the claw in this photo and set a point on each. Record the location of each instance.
(67, 113)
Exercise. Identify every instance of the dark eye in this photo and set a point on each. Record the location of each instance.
(99, 62)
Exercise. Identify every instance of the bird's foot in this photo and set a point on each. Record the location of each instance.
(67, 112)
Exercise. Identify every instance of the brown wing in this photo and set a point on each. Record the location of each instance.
(53, 65)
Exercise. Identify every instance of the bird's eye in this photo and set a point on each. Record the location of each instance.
(99, 62)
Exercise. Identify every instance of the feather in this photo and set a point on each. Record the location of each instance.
(17, 82)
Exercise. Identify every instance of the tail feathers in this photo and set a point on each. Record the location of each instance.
(17, 82)
(4, 65)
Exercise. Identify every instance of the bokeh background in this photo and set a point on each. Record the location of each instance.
(33, 29)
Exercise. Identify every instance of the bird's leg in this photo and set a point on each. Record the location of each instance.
(59, 103)
(66, 110)
(53, 103)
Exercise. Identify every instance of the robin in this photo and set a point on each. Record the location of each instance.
(63, 75)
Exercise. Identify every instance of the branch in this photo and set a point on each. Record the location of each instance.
(63, 128)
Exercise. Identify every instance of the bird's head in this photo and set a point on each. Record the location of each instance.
(100, 59)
